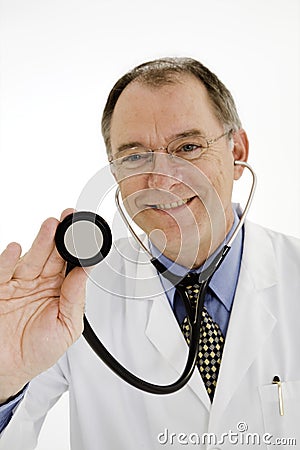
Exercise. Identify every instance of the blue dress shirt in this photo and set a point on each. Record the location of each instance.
(222, 287)
(6, 410)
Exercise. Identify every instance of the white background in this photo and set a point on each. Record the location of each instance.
(58, 61)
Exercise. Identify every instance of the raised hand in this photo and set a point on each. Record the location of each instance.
(41, 311)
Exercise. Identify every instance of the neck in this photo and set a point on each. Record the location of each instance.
(192, 251)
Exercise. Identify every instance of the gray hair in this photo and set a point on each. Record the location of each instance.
(164, 71)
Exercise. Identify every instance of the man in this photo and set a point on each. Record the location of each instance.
(172, 135)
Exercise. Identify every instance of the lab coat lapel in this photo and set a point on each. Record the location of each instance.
(251, 321)
(162, 328)
(164, 332)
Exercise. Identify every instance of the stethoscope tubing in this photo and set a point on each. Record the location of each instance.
(195, 323)
(137, 382)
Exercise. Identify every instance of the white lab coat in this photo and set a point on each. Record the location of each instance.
(262, 341)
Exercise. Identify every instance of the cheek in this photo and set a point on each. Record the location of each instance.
(131, 189)
(202, 180)
(220, 175)
(213, 186)
(131, 186)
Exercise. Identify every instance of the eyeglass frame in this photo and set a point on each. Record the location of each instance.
(209, 143)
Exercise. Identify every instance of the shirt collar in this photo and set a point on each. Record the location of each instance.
(224, 280)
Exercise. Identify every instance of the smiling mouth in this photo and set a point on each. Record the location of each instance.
(166, 206)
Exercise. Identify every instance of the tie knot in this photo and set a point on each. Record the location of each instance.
(190, 280)
(191, 285)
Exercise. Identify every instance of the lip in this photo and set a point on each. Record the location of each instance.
(171, 207)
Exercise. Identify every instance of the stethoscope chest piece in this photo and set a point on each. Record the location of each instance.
(83, 239)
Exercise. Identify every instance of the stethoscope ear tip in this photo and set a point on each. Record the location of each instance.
(240, 163)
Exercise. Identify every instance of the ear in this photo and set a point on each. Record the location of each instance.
(240, 150)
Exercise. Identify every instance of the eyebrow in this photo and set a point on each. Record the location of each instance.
(187, 133)
(128, 146)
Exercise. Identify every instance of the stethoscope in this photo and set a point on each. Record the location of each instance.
(104, 242)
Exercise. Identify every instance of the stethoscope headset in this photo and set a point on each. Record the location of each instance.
(195, 317)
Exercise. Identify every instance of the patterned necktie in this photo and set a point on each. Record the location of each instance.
(211, 338)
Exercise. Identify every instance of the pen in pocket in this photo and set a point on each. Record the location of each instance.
(276, 380)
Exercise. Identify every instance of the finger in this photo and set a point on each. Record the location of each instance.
(66, 212)
(72, 299)
(55, 263)
(31, 265)
(8, 261)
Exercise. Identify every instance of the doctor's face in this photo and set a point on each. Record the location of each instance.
(182, 201)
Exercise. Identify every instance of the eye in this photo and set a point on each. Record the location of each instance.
(133, 158)
(189, 148)
(186, 148)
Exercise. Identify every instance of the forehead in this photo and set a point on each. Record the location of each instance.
(156, 113)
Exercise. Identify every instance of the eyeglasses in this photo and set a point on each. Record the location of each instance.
(140, 159)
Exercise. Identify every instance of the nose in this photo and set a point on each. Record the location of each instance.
(164, 173)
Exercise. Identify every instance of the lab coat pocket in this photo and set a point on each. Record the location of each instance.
(280, 407)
